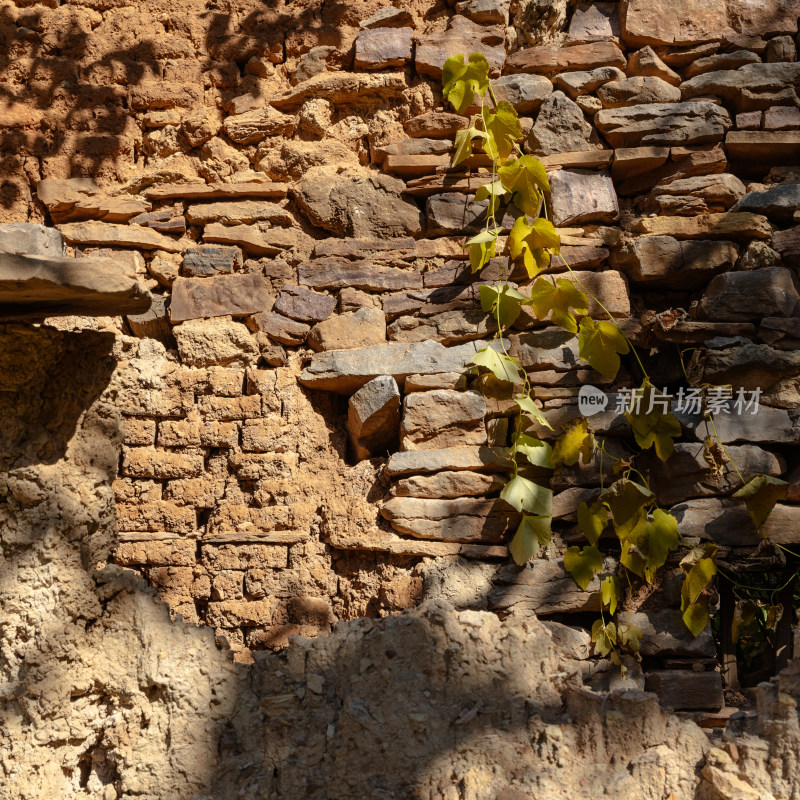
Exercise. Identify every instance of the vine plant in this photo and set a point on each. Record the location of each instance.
(647, 534)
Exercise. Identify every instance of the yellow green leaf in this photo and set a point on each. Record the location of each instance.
(601, 344)
(463, 144)
(610, 592)
(556, 298)
(462, 81)
(533, 242)
(629, 635)
(653, 425)
(502, 301)
(526, 179)
(604, 637)
(626, 499)
(583, 564)
(696, 617)
(538, 453)
(592, 520)
(527, 405)
(525, 495)
(576, 442)
(495, 193)
(760, 496)
(697, 580)
(502, 130)
(532, 534)
(501, 366)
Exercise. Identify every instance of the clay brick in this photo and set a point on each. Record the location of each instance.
(167, 552)
(196, 433)
(196, 492)
(241, 518)
(170, 402)
(228, 585)
(245, 556)
(270, 435)
(264, 467)
(148, 462)
(186, 582)
(138, 431)
(240, 613)
(157, 515)
(228, 408)
(133, 491)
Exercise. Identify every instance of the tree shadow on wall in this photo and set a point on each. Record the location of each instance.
(113, 693)
(75, 98)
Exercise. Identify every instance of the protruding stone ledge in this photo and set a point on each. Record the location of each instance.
(49, 286)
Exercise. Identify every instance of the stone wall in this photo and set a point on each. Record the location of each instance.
(300, 443)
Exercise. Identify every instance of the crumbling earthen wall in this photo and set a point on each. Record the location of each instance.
(288, 439)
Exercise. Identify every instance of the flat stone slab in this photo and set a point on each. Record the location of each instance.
(49, 286)
(663, 124)
(479, 459)
(345, 371)
(26, 238)
(779, 203)
(543, 587)
(238, 295)
(684, 689)
(664, 634)
(462, 520)
(108, 233)
(727, 522)
(580, 197)
(664, 260)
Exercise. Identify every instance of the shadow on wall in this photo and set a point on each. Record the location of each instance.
(102, 696)
(72, 81)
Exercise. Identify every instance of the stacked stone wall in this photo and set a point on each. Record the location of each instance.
(302, 439)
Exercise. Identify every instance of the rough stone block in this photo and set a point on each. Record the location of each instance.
(462, 520)
(378, 48)
(197, 433)
(442, 418)
(167, 552)
(26, 238)
(208, 260)
(362, 328)
(373, 417)
(156, 515)
(581, 197)
(448, 485)
(219, 341)
(548, 60)
(304, 305)
(245, 556)
(741, 296)
(685, 689)
(666, 261)
(269, 435)
(225, 295)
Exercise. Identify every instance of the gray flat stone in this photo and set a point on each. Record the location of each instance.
(741, 296)
(26, 238)
(479, 459)
(663, 124)
(581, 197)
(49, 286)
(373, 416)
(779, 203)
(664, 634)
(442, 418)
(664, 260)
(345, 371)
(686, 689)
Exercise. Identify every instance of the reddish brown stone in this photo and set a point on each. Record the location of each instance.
(237, 295)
